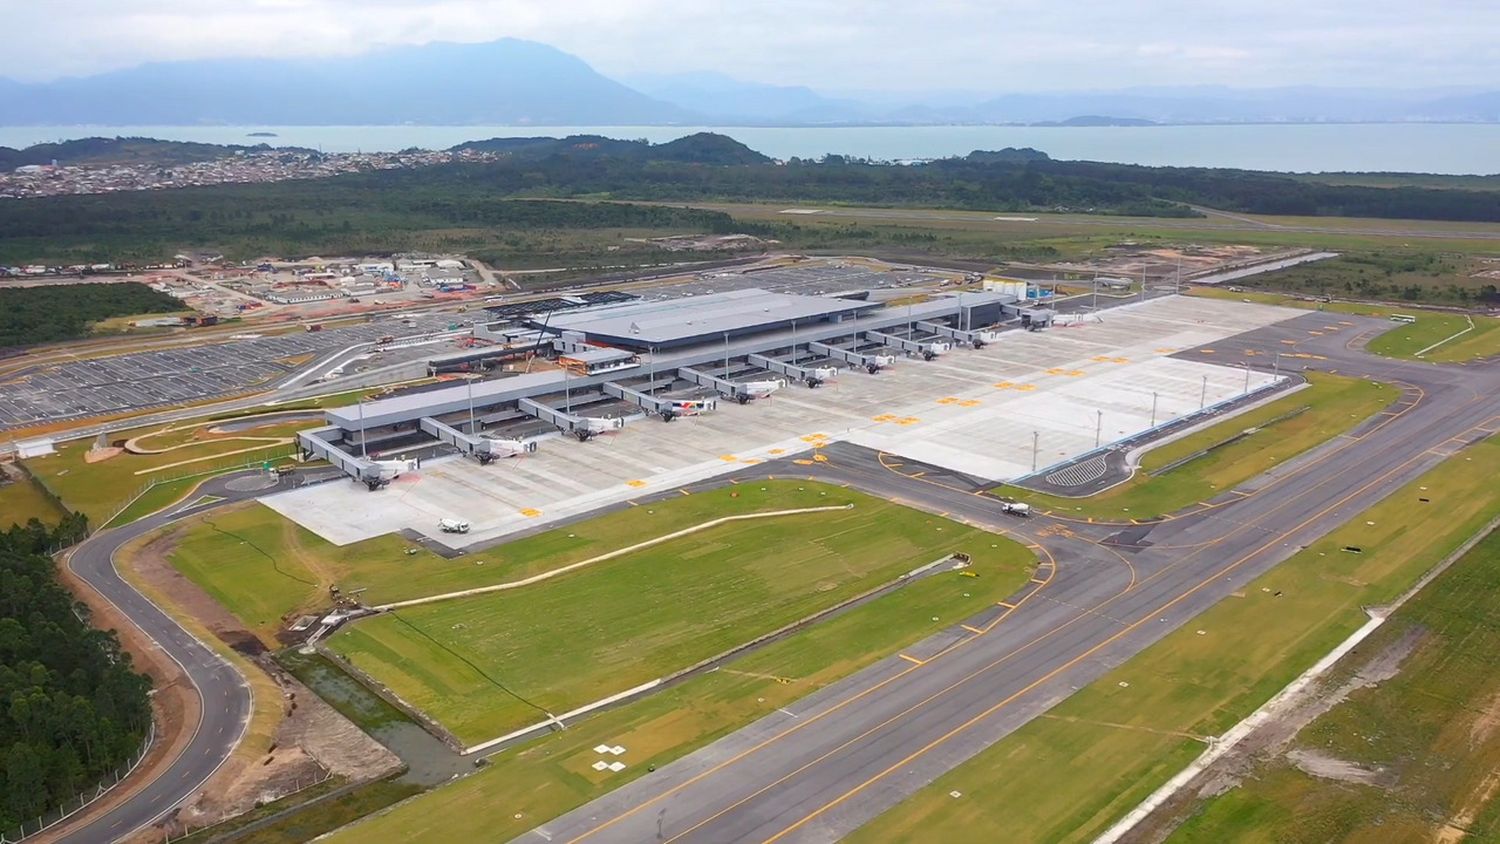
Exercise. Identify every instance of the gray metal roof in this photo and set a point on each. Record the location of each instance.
(677, 321)
(437, 402)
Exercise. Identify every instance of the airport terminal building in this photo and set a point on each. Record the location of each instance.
(619, 361)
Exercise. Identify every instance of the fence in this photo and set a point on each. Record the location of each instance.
(84, 798)
(240, 461)
(185, 831)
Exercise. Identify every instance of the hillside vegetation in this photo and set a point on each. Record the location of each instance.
(30, 315)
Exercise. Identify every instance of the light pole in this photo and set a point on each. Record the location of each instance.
(653, 369)
(472, 429)
(794, 342)
(1153, 408)
(1203, 396)
(1098, 427)
(1035, 438)
(363, 450)
(1247, 376)
(1276, 368)
(726, 355)
(1096, 292)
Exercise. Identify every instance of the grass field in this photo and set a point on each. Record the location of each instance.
(1067, 776)
(963, 232)
(233, 558)
(1431, 731)
(22, 500)
(545, 778)
(100, 489)
(1402, 340)
(485, 665)
(1406, 341)
(1333, 404)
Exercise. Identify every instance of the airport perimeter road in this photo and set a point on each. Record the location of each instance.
(224, 695)
(835, 760)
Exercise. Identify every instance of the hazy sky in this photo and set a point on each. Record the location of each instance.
(988, 45)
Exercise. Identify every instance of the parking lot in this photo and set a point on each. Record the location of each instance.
(170, 377)
(976, 412)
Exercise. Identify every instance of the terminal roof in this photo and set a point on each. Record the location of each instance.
(681, 321)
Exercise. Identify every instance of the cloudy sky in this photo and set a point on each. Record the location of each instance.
(992, 45)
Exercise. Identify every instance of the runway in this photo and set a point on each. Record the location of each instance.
(840, 757)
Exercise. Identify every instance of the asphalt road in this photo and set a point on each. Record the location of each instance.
(224, 693)
(841, 756)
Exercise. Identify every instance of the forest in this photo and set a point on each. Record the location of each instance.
(74, 708)
(461, 206)
(30, 315)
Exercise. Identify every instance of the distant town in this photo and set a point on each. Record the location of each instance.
(243, 166)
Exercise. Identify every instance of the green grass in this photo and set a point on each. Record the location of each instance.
(236, 556)
(260, 594)
(308, 823)
(485, 665)
(1402, 340)
(23, 500)
(158, 497)
(1334, 404)
(1431, 728)
(976, 234)
(99, 490)
(1070, 774)
(1405, 341)
(541, 780)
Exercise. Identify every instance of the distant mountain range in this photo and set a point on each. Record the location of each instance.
(501, 82)
(513, 82)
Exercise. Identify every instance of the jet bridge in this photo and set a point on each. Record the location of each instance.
(740, 391)
(928, 349)
(870, 363)
(582, 427)
(483, 449)
(976, 339)
(812, 376)
(667, 408)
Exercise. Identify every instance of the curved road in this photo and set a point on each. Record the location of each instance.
(224, 694)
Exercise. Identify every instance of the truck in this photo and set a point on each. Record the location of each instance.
(1016, 508)
(453, 525)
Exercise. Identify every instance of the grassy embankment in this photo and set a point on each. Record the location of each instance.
(100, 489)
(1333, 404)
(1068, 775)
(232, 559)
(1429, 732)
(22, 500)
(1402, 340)
(489, 664)
(543, 779)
